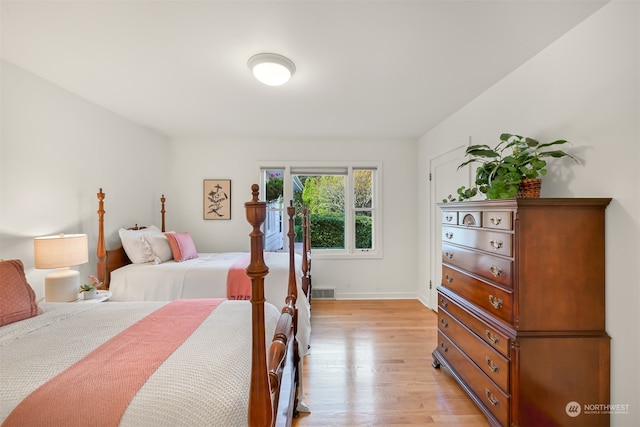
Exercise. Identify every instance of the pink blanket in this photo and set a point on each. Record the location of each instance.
(238, 283)
(126, 361)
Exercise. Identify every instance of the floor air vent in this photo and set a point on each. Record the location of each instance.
(323, 293)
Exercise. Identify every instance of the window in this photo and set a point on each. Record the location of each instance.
(343, 200)
(273, 226)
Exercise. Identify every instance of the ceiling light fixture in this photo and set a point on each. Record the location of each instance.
(271, 69)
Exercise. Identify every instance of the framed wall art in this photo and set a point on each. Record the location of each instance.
(217, 199)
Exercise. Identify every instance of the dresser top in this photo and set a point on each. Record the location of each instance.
(515, 203)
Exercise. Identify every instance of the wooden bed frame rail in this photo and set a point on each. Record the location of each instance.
(306, 253)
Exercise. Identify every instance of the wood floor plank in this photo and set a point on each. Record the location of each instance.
(370, 365)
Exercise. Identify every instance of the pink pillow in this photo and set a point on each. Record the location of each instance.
(17, 299)
(182, 246)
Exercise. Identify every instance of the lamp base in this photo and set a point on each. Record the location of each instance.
(62, 286)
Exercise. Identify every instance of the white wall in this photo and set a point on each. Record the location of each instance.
(56, 151)
(393, 276)
(585, 87)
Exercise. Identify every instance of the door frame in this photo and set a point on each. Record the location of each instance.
(435, 224)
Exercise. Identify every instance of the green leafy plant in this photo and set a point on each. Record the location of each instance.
(464, 193)
(95, 284)
(274, 189)
(503, 167)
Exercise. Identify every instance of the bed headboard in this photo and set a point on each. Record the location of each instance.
(109, 260)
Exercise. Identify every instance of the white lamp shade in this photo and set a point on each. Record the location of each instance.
(271, 69)
(64, 250)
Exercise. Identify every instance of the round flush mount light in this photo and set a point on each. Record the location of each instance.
(271, 69)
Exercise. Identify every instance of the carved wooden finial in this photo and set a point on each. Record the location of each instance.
(100, 205)
(256, 212)
(290, 209)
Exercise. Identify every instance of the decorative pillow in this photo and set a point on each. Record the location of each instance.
(160, 247)
(17, 299)
(182, 246)
(136, 245)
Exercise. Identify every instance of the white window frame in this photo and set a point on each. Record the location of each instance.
(349, 252)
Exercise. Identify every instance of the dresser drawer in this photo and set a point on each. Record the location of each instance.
(500, 220)
(493, 299)
(489, 334)
(450, 217)
(492, 363)
(492, 267)
(470, 219)
(490, 241)
(485, 390)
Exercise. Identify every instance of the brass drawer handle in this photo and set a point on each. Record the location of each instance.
(496, 244)
(448, 255)
(444, 322)
(495, 302)
(495, 220)
(491, 365)
(443, 303)
(449, 218)
(444, 347)
(491, 398)
(448, 235)
(448, 278)
(496, 271)
(492, 338)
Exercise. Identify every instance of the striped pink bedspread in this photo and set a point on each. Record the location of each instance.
(129, 358)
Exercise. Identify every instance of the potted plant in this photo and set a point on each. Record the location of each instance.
(508, 169)
(90, 290)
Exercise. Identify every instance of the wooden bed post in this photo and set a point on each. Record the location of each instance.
(306, 253)
(260, 406)
(292, 288)
(101, 250)
(162, 211)
(292, 298)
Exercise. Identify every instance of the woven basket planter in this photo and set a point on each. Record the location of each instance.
(529, 188)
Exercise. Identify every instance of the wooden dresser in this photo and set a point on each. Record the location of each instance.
(521, 309)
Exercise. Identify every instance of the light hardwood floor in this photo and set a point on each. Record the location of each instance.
(370, 365)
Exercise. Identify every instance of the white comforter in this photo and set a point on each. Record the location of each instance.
(206, 277)
(204, 382)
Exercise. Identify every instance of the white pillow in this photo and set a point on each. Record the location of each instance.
(160, 247)
(136, 245)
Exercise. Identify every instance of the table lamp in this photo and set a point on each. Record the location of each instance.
(61, 251)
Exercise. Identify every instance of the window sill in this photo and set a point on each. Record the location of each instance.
(345, 255)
